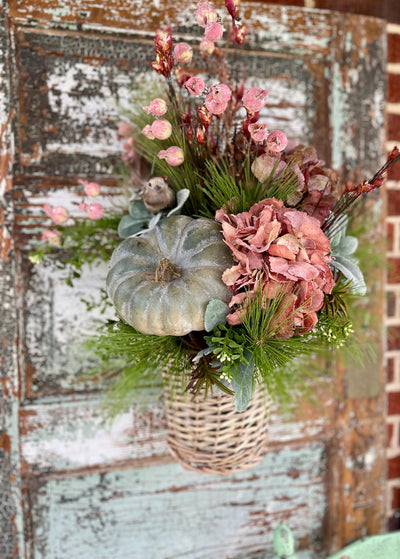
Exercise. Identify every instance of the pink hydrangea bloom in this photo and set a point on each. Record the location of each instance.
(276, 141)
(183, 53)
(195, 85)
(147, 132)
(279, 251)
(206, 46)
(125, 129)
(205, 14)
(258, 131)
(161, 129)
(254, 99)
(157, 107)
(214, 32)
(173, 155)
(51, 237)
(265, 164)
(58, 214)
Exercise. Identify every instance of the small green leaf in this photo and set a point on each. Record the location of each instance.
(216, 313)
(348, 245)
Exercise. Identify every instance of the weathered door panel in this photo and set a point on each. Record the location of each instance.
(71, 485)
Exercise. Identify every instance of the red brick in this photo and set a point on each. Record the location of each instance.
(390, 370)
(390, 304)
(395, 497)
(394, 467)
(393, 127)
(287, 2)
(386, 9)
(393, 199)
(394, 47)
(393, 403)
(394, 173)
(393, 93)
(393, 337)
(394, 523)
(389, 236)
(393, 269)
(389, 434)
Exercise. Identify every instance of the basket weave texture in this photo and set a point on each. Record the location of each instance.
(209, 436)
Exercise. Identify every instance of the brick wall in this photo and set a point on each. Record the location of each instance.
(390, 11)
(393, 281)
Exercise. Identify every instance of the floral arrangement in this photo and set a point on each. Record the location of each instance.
(236, 259)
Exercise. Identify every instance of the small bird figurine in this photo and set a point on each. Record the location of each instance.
(157, 195)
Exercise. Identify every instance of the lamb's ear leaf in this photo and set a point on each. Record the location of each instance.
(181, 197)
(216, 313)
(243, 383)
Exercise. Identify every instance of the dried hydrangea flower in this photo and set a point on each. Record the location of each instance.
(277, 250)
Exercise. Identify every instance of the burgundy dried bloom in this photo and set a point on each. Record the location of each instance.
(277, 250)
(163, 47)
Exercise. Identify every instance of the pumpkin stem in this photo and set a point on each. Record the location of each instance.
(166, 272)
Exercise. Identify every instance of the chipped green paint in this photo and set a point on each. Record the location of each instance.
(155, 512)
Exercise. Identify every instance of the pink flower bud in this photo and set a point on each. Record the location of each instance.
(161, 129)
(183, 53)
(200, 135)
(172, 155)
(214, 32)
(254, 99)
(158, 107)
(195, 85)
(206, 46)
(231, 7)
(94, 211)
(125, 129)
(206, 14)
(221, 93)
(239, 34)
(147, 132)
(51, 237)
(214, 107)
(92, 189)
(277, 141)
(258, 131)
(217, 100)
(205, 116)
(59, 214)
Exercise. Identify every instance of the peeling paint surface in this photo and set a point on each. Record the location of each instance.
(108, 511)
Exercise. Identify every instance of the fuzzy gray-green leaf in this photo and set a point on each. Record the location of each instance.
(216, 313)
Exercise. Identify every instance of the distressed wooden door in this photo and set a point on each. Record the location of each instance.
(71, 486)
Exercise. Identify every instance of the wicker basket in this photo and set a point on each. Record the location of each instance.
(209, 436)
